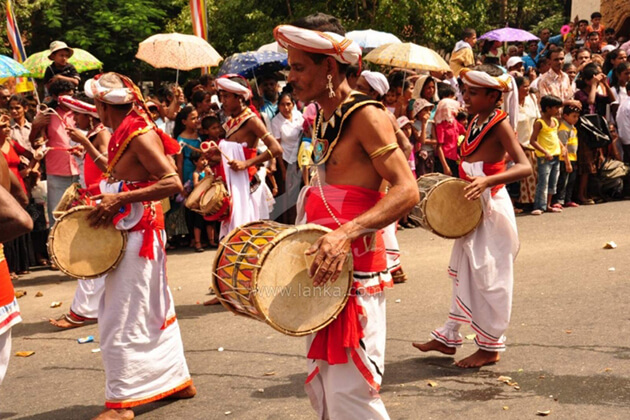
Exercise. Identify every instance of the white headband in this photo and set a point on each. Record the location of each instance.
(377, 81)
(482, 79)
(342, 49)
(113, 96)
(223, 83)
(78, 106)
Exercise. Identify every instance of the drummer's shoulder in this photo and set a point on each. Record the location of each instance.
(502, 130)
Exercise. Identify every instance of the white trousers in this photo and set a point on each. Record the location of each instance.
(87, 297)
(5, 353)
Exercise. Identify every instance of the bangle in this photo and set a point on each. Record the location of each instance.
(269, 151)
(102, 155)
(267, 134)
(397, 131)
(169, 175)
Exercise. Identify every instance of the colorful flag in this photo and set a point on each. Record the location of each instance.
(19, 54)
(199, 17)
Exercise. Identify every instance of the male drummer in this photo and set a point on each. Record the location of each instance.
(243, 130)
(140, 338)
(355, 149)
(14, 222)
(482, 262)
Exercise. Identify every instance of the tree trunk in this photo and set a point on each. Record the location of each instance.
(289, 9)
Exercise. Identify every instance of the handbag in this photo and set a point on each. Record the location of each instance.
(593, 129)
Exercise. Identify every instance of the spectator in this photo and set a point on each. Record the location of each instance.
(269, 90)
(447, 131)
(571, 71)
(404, 101)
(567, 133)
(623, 126)
(545, 141)
(592, 102)
(556, 82)
(61, 69)
(61, 167)
(352, 76)
(287, 128)
(531, 58)
(462, 55)
(5, 95)
(613, 59)
(527, 114)
(20, 127)
(620, 78)
(595, 43)
(609, 37)
(569, 49)
(515, 64)
(186, 126)
(202, 101)
(583, 57)
(424, 136)
(191, 86)
(198, 222)
(596, 25)
(155, 109)
(582, 33)
(546, 39)
(391, 98)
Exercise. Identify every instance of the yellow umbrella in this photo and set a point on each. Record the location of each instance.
(178, 51)
(408, 56)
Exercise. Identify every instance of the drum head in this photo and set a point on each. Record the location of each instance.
(210, 199)
(285, 295)
(68, 197)
(82, 251)
(449, 213)
(192, 201)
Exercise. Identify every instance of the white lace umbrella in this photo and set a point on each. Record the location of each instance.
(407, 56)
(178, 51)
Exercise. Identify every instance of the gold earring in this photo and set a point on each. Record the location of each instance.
(329, 85)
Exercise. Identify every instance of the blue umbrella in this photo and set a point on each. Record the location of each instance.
(11, 68)
(251, 64)
(369, 39)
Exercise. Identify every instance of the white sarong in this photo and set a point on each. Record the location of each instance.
(9, 316)
(482, 269)
(87, 297)
(392, 249)
(141, 343)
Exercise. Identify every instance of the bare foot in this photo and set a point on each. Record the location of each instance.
(213, 301)
(478, 359)
(63, 323)
(113, 414)
(435, 345)
(188, 392)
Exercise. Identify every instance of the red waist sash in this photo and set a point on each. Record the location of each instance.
(488, 169)
(152, 219)
(6, 286)
(346, 202)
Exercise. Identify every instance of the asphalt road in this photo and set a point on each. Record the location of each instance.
(568, 346)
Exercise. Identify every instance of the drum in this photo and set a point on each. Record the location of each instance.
(192, 201)
(81, 251)
(443, 209)
(72, 197)
(215, 200)
(261, 271)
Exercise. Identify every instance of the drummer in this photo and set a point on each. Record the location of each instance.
(355, 149)
(141, 343)
(482, 262)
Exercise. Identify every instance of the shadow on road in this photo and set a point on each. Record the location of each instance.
(54, 277)
(75, 412)
(197, 311)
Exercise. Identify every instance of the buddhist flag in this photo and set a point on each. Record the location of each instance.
(19, 54)
(199, 17)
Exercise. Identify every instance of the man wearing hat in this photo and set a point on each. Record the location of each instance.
(355, 150)
(141, 343)
(60, 68)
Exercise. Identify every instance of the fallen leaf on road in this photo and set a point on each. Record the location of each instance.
(20, 293)
(512, 383)
(505, 407)
(220, 349)
(269, 373)
(39, 294)
(227, 413)
(432, 384)
(520, 370)
(543, 413)
(55, 304)
(24, 353)
(608, 370)
(610, 245)
(96, 350)
(398, 301)
(505, 379)
(611, 269)
(471, 336)
(261, 390)
(541, 377)
(516, 387)
(568, 331)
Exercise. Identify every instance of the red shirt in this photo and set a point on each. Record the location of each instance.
(447, 134)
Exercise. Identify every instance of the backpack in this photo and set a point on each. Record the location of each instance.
(593, 129)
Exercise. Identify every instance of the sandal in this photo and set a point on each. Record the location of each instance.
(72, 320)
(572, 204)
(554, 210)
(557, 206)
(536, 212)
(399, 277)
(198, 247)
(587, 202)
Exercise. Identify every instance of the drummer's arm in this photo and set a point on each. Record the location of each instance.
(401, 138)
(273, 145)
(14, 220)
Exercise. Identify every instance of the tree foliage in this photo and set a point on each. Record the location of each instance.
(112, 29)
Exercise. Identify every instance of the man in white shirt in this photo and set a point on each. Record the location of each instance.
(623, 126)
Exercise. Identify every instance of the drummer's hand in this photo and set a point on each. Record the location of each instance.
(447, 171)
(103, 213)
(331, 252)
(76, 135)
(476, 187)
(77, 151)
(237, 165)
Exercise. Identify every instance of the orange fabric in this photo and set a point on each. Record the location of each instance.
(470, 144)
(7, 293)
(488, 169)
(130, 404)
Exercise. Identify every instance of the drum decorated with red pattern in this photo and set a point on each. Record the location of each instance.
(261, 271)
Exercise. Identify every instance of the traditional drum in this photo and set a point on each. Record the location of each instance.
(215, 201)
(72, 197)
(261, 271)
(81, 251)
(192, 201)
(443, 209)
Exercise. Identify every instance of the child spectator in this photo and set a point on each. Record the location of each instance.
(567, 133)
(596, 25)
(548, 149)
(424, 136)
(188, 137)
(201, 170)
(447, 131)
(61, 69)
